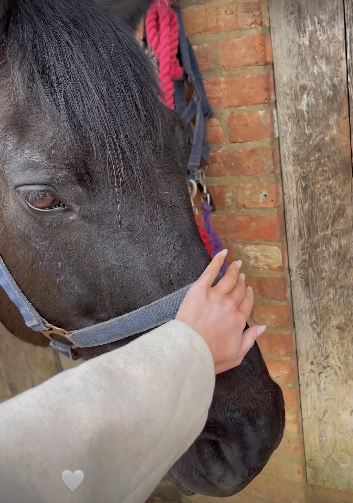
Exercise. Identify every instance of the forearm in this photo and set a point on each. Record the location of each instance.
(123, 419)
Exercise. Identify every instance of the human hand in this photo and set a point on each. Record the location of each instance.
(219, 313)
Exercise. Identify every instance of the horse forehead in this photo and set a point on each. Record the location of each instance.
(27, 127)
(31, 138)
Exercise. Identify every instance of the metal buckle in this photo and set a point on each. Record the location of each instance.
(206, 196)
(59, 340)
(52, 331)
(192, 186)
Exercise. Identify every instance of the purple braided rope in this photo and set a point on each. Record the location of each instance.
(214, 238)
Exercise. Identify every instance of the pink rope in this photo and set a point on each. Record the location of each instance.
(162, 28)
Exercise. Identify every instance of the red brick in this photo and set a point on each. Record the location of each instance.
(245, 51)
(276, 158)
(273, 316)
(290, 447)
(282, 371)
(140, 32)
(256, 161)
(284, 251)
(250, 227)
(291, 398)
(260, 257)
(204, 56)
(222, 195)
(215, 132)
(224, 15)
(251, 126)
(276, 344)
(269, 287)
(240, 90)
(269, 52)
(233, 253)
(259, 195)
(293, 425)
(291, 470)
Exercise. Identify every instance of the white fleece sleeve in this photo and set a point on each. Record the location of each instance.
(122, 418)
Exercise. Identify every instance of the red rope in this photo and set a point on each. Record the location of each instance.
(162, 28)
(204, 235)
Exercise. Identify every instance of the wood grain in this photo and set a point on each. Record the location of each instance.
(311, 87)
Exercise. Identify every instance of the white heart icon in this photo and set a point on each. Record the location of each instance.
(72, 480)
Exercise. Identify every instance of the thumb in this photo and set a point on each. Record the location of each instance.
(249, 337)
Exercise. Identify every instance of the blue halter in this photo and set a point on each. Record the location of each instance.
(136, 322)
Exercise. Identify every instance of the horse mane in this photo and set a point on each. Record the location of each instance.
(89, 76)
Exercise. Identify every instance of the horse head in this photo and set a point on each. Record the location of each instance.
(95, 215)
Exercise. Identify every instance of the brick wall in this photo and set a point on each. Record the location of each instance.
(233, 46)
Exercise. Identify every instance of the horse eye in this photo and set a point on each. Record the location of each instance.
(42, 199)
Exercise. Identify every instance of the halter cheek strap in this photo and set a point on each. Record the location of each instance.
(30, 316)
(136, 322)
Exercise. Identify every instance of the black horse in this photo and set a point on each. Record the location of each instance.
(95, 215)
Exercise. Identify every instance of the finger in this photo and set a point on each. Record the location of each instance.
(227, 284)
(239, 292)
(211, 272)
(248, 340)
(249, 337)
(247, 304)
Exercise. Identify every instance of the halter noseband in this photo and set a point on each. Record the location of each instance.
(136, 322)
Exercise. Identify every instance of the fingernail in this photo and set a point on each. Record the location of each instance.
(224, 252)
(250, 289)
(238, 264)
(261, 330)
(242, 276)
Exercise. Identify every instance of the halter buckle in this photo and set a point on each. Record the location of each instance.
(59, 340)
(51, 332)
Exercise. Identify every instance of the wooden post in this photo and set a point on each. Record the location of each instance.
(311, 87)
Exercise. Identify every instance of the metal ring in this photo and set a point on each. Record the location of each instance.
(192, 185)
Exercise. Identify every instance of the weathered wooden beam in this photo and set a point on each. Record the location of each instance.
(311, 87)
